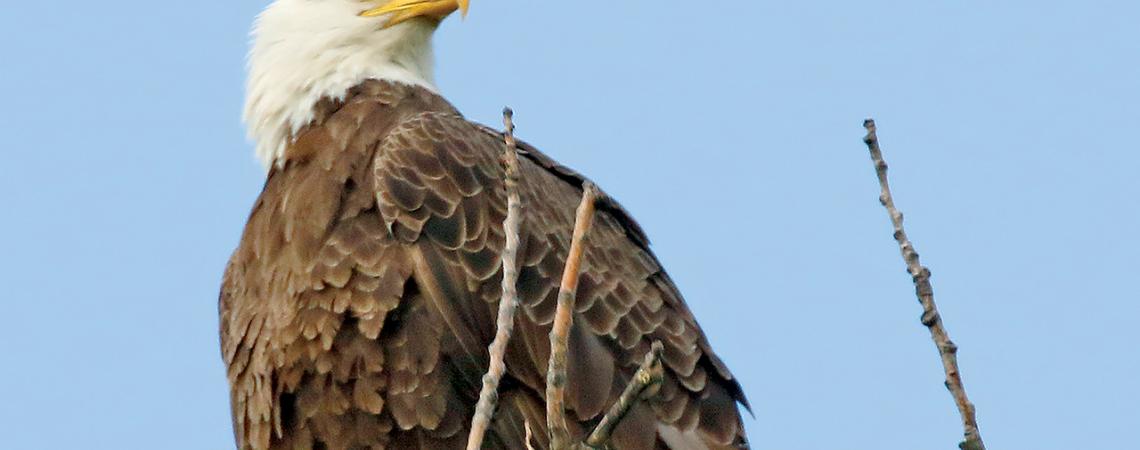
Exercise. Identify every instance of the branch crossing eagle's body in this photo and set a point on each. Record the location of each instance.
(358, 307)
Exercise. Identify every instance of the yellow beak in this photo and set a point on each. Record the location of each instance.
(402, 10)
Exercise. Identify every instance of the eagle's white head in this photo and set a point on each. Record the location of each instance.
(306, 50)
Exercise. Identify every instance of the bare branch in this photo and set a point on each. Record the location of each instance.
(643, 385)
(930, 317)
(489, 396)
(563, 319)
(529, 435)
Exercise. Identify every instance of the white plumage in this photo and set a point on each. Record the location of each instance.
(306, 50)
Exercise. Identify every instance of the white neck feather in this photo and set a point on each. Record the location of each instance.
(306, 50)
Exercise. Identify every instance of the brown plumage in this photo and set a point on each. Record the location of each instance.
(357, 310)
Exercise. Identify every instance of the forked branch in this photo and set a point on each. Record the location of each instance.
(645, 381)
(925, 292)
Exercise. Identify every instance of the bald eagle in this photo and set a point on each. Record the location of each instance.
(357, 310)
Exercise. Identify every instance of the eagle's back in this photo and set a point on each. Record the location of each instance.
(357, 310)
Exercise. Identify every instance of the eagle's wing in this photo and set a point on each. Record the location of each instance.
(357, 309)
(440, 191)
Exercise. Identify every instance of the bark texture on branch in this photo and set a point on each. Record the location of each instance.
(563, 319)
(925, 292)
(643, 385)
(646, 380)
(488, 396)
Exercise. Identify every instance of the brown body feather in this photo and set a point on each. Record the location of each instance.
(357, 310)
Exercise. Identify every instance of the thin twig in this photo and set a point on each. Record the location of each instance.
(489, 396)
(563, 319)
(529, 435)
(930, 317)
(643, 385)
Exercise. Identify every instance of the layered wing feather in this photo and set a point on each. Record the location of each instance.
(358, 308)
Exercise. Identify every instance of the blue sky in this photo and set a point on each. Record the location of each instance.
(731, 130)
